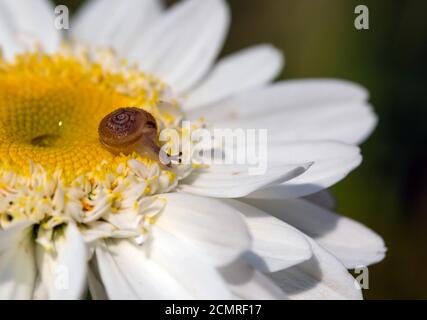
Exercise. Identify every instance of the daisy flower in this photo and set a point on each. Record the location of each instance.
(85, 206)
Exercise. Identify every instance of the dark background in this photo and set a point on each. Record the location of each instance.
(389, 191)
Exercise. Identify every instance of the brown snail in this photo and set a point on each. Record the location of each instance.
(132, 129)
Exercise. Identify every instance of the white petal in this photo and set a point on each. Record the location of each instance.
(31, 22)
(323, 277)
(248, 284)
(113, 278)
(126, 24)
(234, 181)
(276, 245)
(324, 199)
(299, 110)
(127, 272)
(17, 263)
(207, 224)
(352, 243)
(187, 266)
(13, 234)
(63, 275)
(182, 46)
(96, 287)
(8, 42)
(247, 69)
(332, 161)
(165, 268)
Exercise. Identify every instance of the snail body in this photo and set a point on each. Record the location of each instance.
(129, 130)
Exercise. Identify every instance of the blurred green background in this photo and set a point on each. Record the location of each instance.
(389, 191)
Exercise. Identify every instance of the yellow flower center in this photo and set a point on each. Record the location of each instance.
(51, 106)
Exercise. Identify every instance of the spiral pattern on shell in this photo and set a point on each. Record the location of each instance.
(126, 126)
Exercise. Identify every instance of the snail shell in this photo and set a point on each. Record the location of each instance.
(129, 130)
